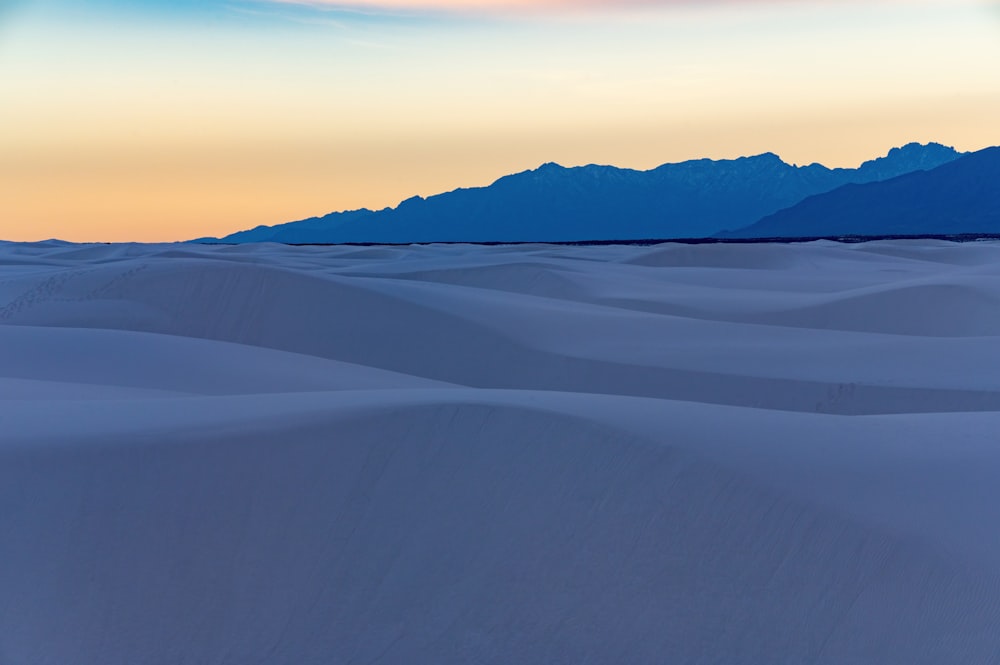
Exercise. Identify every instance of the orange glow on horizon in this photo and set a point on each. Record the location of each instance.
(216, 189)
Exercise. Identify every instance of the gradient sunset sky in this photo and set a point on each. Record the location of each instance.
(154, 120)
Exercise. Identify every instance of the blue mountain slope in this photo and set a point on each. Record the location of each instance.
(962, 196)
(552, 203)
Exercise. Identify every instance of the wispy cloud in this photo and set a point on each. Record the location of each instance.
(501, 6)
(551, 6)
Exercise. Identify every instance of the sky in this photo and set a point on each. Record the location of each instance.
(156, 120)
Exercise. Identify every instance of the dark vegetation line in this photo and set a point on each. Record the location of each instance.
(847, 239)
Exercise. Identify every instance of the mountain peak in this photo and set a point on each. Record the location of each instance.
(766, 157)
(908, 158)
(957, 197)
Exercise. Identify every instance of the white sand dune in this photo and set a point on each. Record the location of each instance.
(534, 454)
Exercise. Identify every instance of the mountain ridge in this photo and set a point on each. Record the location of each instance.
(959, 197)
(554, 203)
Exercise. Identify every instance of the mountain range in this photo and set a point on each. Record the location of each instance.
(692, 199)
(962, 196)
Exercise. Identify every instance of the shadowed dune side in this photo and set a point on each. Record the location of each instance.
(182, 365)
(540, 279)
(934, 251)
(503, 339)
(731, 257)
(928, 310)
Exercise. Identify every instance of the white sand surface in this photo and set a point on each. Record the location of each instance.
(757, 454)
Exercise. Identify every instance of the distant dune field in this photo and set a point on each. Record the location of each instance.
(754, 454)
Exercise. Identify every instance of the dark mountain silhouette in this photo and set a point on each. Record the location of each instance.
(960, 197)
(552, 203)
